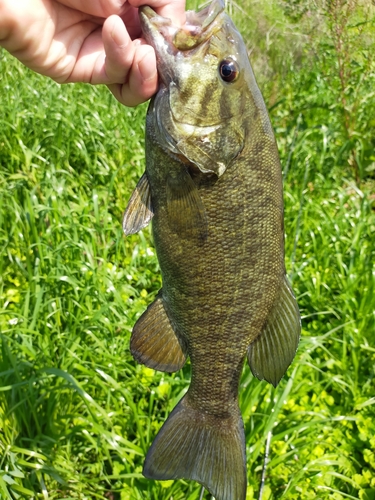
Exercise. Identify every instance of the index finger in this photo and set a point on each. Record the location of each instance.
(172, 9)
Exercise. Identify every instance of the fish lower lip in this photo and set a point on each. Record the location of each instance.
(153, 18)
(157, 30)
(195, 30)
(147, 11)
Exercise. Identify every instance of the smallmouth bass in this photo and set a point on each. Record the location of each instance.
(213, 188)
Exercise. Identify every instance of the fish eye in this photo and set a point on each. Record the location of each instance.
(228, 70)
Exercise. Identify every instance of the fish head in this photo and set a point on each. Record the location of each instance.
(206, 87)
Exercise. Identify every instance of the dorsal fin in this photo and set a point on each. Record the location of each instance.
(272, 352)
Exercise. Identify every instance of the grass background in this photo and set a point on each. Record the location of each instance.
(77, 414)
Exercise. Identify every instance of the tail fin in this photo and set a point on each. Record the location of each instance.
(194, 445)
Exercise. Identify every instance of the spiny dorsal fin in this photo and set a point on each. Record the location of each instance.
(186, 212)
(195, 445)
(154, 342)
(139, 211)
(272, 352)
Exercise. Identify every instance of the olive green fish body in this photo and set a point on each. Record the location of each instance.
(220, 289)
(213, 188)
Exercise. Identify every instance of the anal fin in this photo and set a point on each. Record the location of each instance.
(154, 343)
(273, 351)
(139, 211)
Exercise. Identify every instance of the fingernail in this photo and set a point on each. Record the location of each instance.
(147, 66)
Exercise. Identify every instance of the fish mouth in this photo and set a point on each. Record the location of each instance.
(165, 37)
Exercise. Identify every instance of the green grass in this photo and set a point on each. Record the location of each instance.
(77, 414)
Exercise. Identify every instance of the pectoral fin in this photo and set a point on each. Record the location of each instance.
(139, 211)
(154, 342)
(186, 212)
(272, 352)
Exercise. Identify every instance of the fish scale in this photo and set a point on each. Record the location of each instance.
(213, 189)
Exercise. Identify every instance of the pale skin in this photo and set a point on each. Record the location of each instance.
(91, 41)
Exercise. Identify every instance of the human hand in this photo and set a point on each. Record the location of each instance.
(95, 41)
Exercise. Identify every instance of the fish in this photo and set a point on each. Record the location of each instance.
(213, 190)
